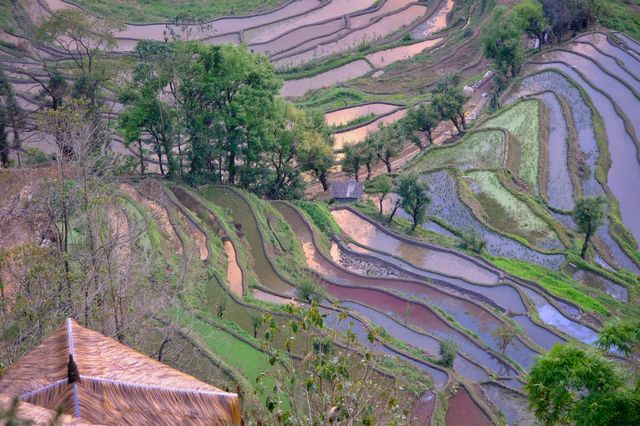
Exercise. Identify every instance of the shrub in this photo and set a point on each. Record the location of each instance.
(448, 350)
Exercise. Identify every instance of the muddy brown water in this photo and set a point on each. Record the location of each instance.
(369, 235)
(624, 174)
(463, 411)
(388, 6)
(329, 78)
(438, 20)
(334, 9)
(295, 38)
(401, 53)
(467, 312)
(504, 296)
(419, 316)
(345, 115)
(242, 213)
(360, 133)
(217, 27)
(440, 377)
(234, 273)
(423, 341)
(424, 406)
(385, 26)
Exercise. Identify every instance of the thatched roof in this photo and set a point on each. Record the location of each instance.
(117, 385)
(39, 415)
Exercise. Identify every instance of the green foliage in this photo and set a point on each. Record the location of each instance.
(423, 119)
(321, 217)
(503, 335)
(309, 291)
(571, 385)
(472, 241)
(382, 185)
(623, 336)
(449, 99)
(448, 351)
(415, 199)
(588, 214)
(502, 42)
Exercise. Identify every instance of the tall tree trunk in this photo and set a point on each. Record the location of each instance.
(368, 164)
(396, 206)
(323, 180)
(231, 167)
(463, 121)
(159, 153)
(387, 162)
(141, 154)
(585, 245)
(454, 120)
(430, 136)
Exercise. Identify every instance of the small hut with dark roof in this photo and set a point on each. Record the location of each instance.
(96, 380)
(347, 191)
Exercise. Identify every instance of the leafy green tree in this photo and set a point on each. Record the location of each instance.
(423, 119)
(571, 385)
(502, 42)
(368, 156)
(623, 336)
(388, 142)
(150, 104)
(532, 19)
(448, 351)
(382, 186)
(228, 97)
(352, 160)
(589, 213)
(316, 156)
(415, 199)
(503, 335)
(448, 100)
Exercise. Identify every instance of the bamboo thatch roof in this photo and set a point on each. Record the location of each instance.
(98, 380)
(39, 415)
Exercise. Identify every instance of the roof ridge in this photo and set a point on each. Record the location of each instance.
(29, 394)
(157, 387)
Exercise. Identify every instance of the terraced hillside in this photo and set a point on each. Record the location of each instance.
(199, 276)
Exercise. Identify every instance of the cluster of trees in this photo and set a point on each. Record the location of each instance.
(413, 196)
(504, 40)
(213, 114)
(447, 103)
(572, 385)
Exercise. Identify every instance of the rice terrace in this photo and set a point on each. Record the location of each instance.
(320, 212)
